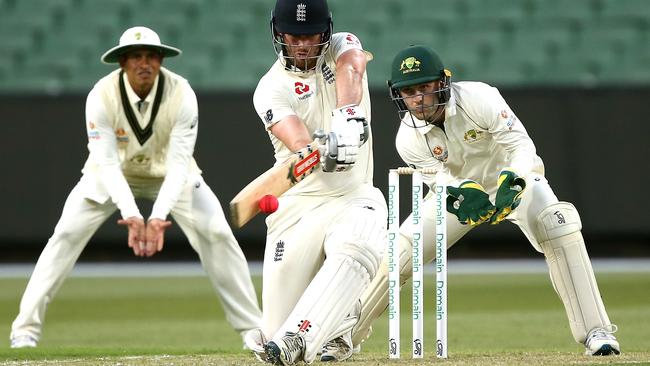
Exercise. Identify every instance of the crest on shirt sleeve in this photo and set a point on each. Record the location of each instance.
(268, 116)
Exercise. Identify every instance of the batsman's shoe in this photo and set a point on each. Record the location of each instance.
(254, 340)
(601, 342)
(338, 349)
(24, 341)
(287, 350)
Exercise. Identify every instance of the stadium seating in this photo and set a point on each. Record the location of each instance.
(54, 46)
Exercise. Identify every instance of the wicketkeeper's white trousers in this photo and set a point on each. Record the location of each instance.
(199, 215)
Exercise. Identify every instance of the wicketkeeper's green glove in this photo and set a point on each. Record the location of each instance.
(470, 203)
(510, 187)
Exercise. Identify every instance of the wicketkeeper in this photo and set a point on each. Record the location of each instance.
(468, 131)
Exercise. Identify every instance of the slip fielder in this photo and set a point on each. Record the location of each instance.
(142, 123)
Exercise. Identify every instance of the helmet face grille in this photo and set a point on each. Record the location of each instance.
(301, 17)
(295, 64)
(443, 94)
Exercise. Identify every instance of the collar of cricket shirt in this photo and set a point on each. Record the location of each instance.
(130, 98)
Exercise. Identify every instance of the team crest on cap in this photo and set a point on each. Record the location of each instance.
(301, 13)
(409, 64)
(138, 36)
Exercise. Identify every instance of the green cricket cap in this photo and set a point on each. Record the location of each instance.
(414, 65)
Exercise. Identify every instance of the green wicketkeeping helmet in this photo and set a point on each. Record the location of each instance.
(415, 65)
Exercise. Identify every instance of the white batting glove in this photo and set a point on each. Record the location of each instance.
(354, 113)
(343, 142)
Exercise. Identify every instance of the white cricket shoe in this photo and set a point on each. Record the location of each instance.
(24, 341)
(338, 349)
(254, 340)
(286, 351)
(601, 342)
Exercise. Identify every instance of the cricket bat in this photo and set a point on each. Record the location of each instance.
(275, 181)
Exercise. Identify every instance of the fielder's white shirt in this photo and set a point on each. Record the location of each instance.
(482, 136)
(311, 97)
(117, 159)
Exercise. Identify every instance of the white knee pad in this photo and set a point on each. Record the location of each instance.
(360, 235)
(558, 233)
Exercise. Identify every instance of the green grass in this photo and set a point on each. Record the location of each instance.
(493, 320)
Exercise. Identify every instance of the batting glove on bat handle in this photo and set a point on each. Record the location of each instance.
(354, 113)
(510, 188)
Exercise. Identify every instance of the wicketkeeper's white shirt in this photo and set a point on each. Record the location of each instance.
(481, 136)
(311, 97)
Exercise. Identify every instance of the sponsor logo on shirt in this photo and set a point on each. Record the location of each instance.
(92, 134)
(352, 40)
(121, 136)
(303, 90)
(510, 119)
(473, 135)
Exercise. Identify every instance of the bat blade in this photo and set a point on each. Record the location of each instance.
(275, 181)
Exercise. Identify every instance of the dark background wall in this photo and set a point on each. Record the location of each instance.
(593, 142)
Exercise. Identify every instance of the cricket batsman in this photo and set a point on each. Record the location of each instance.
(325, 242)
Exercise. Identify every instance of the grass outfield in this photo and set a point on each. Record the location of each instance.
(493, 320)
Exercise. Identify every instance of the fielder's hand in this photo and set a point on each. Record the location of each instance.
(137, 236)
(510, 188)
(155, 235)
(470, 203)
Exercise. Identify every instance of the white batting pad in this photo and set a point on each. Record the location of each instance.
(571, 273)
(375, 299)
(330, 296)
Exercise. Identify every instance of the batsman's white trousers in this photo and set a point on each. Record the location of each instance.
(304, 235)
(197, 212)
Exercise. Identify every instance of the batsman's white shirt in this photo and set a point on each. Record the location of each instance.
(481, 137)
(312, 97)
(117, 158)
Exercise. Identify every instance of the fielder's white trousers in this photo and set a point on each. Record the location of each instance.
(199, 215)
